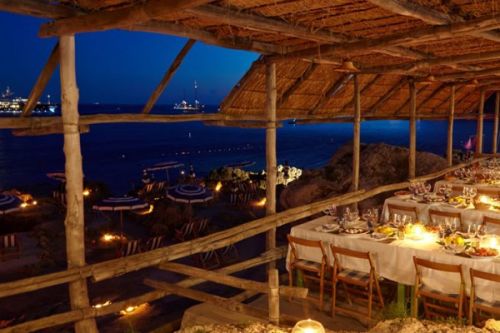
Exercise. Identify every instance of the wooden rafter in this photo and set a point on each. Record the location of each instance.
(168, 76)
(337, 86)
(373, 108)
(141, 12)
(367, 86)
(42, 81)
(407, 102)
(436, 91)
(207, 37)
(438, 61)
(416, 36)
(296, 85)
(428, 15)
(468, 75)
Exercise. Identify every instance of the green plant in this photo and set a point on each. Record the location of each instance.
(394, 310)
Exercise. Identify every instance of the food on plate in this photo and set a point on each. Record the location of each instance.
(385, 229)
(432, 228)
(456, 201)
(482, 252)
(355, 231)
(403, 194)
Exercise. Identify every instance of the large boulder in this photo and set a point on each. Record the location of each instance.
(380, 164)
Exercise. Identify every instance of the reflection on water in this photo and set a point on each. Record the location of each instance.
(116, 153)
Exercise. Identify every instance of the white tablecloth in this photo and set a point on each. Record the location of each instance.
(469, 216)
(394, 261)
(460, 183)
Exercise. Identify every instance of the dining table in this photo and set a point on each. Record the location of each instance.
(393, 258)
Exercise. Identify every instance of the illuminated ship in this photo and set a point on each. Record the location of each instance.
(187, 107)
(14, 105)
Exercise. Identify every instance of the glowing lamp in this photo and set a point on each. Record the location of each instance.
(24, 205)
(218, 187)
(308, 326)
(129, 309)
(490, 242)
(107, 238)
(101, 305)
(261, 203)
(86, 192)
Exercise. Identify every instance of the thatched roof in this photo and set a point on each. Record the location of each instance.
(453, 41)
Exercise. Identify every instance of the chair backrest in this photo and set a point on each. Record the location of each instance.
(404, 210)
(475, 274)
(9, 241)
(132, 247)
(201, 226)
(342, 251)
(448, 268)
(491, 220)
(294, 241)
(433, 213)
(154, 243)
(188, 230)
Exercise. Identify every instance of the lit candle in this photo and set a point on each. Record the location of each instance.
(308, 326)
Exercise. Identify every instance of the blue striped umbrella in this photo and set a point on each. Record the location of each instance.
(165, 166)
(189, 193)
(120, 204)
(9, 203)
(240, 165)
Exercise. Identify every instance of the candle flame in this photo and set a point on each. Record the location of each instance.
(218, 187)
(261, 203)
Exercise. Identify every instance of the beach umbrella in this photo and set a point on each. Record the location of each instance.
(190, 194)
(120, 204)
(9, 203)
(240, 165)
(165, 166)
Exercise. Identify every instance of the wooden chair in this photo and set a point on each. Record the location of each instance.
(355, 282)
(10, 246)
(186, 232)
(495, 222)
(132, 247)
(302, 265)
(209, 259)
(435, 215)
(403, 210)
(477, 305)
(153, 243)
(444, 305)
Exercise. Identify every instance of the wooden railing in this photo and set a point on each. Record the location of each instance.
(161, 257)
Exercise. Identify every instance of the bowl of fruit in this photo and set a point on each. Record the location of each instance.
(482, 252)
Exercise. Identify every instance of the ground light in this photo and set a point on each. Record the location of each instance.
(308, 326)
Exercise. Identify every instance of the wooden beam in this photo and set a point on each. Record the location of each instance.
(168, 76)
(273, 299)
(207, 37)
(296, 85)
(141, 12)
(373, 109)
(451, 116)
(37, 8)
(74, 221)
(356, 135)
(438, 90)
(232, 281)
(447, 100)
(336, 87)
(468, 75)
(495, 123)
(55, 129)
(271, 159)
(479, 130)
(412, 158)
(428, 15)
(42, 81)
(438, 61)
(367, 86)
(416, 36)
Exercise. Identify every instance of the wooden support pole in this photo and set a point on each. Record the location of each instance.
(42, 81)
(168, 76)
(495, 123)
(479, 129)
(271, 166)
(451, 119)
(74, 222)
(356, 135)
(274, 297)
(413, 131)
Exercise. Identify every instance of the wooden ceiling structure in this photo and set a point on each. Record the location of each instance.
(317, 45)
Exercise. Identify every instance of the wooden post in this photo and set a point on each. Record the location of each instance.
(495, 124)
(74, 222)
(413, 131)
(274, 297)
(479, 129)
(356, 135)
(271, 153)
(451, 118)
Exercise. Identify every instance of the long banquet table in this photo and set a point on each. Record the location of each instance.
(394, 261)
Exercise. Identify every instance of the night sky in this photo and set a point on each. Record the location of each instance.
(119, 67)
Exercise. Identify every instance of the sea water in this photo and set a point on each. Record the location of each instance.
(117, 153)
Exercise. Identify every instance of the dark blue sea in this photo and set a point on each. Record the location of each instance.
(117, 153)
